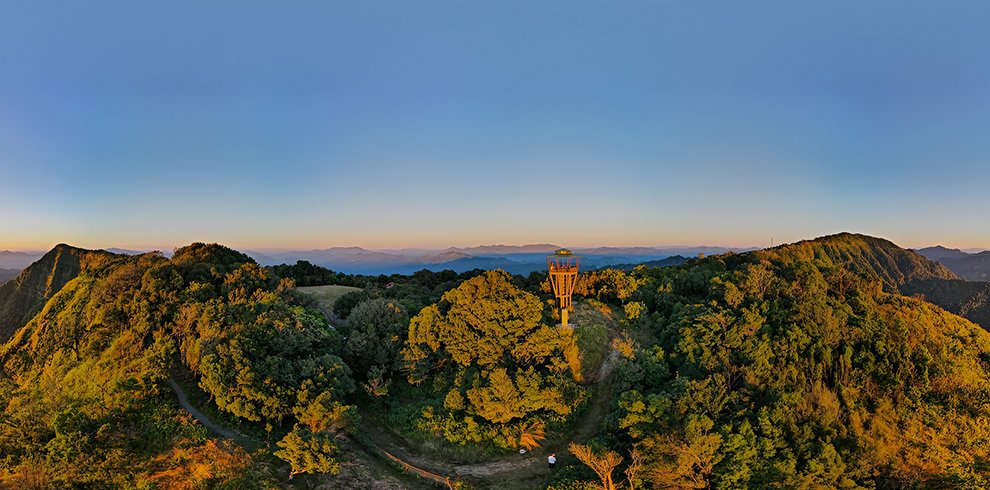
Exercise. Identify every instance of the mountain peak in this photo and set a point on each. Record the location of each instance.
(863, 254)
(24, 296)
(938, 253)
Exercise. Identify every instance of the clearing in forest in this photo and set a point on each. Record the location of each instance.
(326, 296)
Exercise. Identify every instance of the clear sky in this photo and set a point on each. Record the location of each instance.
(421, 123)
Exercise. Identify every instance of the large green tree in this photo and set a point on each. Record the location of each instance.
(507, 366)
(375, 330)
(482, 322)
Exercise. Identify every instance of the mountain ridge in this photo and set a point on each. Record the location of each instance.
(900, 270)
(972, 266)
(939, 252)
(25, 295)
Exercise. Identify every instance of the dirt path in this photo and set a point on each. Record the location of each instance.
(586, 428)
(180, 394)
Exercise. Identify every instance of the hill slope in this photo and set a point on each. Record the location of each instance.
(969, 266)
(24, 296)
(974, 267)
(82, 387)
(782, 369)
(864, 255)
(899, 270)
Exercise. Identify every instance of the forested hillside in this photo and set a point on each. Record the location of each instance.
(794, 368)
(83, 385)
(803, 366)
(975, 267)
(899, 270)
(861, 255)
(24, 296)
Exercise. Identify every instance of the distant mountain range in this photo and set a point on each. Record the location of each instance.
(515, 259)
(18, 260)
(8, 274)
(900, 270)
(971, 266)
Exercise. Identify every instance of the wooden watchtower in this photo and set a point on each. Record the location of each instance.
(563, 269)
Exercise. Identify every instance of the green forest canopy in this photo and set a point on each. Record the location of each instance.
(799, 367)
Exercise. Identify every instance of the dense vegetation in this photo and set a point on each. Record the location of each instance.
(23, 297)
(304, 273)
(504, 371)
(803, 366)
(84, 378)
(794, 368)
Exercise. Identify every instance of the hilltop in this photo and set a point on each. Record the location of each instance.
(864, 255)
(899, 270)
(86, 376)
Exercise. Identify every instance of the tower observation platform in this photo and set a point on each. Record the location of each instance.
(562, 268)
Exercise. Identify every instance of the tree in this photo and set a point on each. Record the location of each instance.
(602, 463)
(531, 433)
(309, 452)
(609, 285)
(325, 414)
(375, 330)
(478, 323)
(505, 366)
(498, 402)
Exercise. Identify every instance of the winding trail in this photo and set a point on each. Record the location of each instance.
(584, 430)
(213, 427)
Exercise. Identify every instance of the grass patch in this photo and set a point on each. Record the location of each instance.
(326, 296)
(592, 324)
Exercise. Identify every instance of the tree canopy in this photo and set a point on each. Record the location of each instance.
(85, 388)
(507, 365)
(776, 370)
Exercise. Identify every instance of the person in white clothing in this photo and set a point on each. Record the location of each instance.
(551, 461)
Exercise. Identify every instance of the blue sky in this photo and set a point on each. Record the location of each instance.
(410, 124)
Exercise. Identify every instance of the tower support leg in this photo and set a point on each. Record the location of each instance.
(563, 316)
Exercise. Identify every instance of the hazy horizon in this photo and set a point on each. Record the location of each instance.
(445, 124)
(144, 248)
